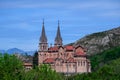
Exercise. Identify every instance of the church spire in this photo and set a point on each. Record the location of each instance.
(58, 38)
(43, 40)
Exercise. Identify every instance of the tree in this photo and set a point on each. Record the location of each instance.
(10, 67)
(42, 72)
(35, 59)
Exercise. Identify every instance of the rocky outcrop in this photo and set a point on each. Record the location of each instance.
(98, 42)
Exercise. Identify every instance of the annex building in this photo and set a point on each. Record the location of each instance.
(63, 59)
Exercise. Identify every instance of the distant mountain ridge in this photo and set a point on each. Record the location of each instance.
(98, 42)
(2, 51)
(16, 50)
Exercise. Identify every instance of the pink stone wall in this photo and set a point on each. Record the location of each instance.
(81, 65)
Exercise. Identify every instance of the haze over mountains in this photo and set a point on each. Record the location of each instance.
(16, 50)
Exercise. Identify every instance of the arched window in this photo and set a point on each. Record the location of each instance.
(57, 64)
(74, 66)
(84, 63)
(78, 63)
(70, 64)
(81, 63)
(45, 54)
(43, 47)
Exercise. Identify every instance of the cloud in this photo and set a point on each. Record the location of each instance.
(60, 4)
(63, 8)
(110, 14)
(23, 4)
(95, 4)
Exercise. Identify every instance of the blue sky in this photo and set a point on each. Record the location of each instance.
(21, 20)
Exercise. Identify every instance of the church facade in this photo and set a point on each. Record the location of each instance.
(62, 59)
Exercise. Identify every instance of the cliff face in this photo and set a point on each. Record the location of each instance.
(98, 42)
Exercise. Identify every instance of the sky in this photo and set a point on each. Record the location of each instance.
(21, 20)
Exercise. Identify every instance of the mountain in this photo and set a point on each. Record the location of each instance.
(98, 42)
(25, 56)
(2, 51)
(15, 50)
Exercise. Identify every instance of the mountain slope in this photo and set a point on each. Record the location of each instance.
(98, 42)
(14, 50)
(2, 51)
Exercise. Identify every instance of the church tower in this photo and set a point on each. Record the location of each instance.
(58, 38)
(43, 45)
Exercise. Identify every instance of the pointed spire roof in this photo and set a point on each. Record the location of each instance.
(43, 37)
(58, 38)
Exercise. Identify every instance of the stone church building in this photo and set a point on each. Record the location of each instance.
(63, 59)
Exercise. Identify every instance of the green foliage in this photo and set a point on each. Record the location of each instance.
(100, 59)
(35, 59)
(10, 67)
(43, 72)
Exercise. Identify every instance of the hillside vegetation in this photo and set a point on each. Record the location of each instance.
(104, 57)
(11, 68)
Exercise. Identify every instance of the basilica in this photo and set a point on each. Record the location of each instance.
(63, 59)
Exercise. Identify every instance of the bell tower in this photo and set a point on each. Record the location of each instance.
(58, 38)
(43, 45)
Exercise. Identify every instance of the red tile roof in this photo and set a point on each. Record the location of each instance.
(71, 60)
(69, 48)
(80, 54)
(53, 48)
(27, 64)
(49, 60)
